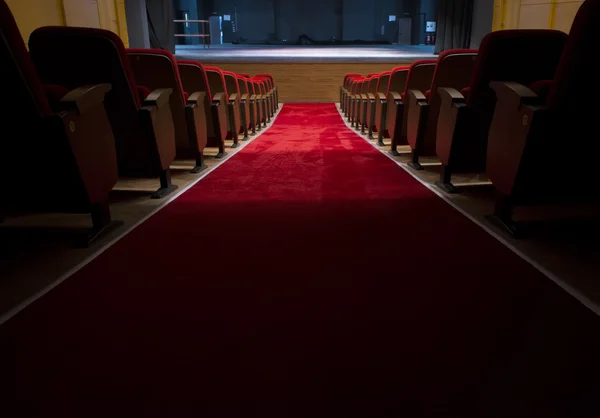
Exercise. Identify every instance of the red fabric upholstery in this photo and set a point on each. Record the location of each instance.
(466, 92)
(54, 94)
(186, 96)
(19, 53)
(143, 92)
(427, 95)
(541, 88)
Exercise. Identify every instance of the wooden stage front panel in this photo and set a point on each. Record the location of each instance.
(306, 82)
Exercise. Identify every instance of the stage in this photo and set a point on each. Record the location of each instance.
(306, 73)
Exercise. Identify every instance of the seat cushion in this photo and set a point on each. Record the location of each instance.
(541, 88)
(466, 92)
(54, 94)
(143, 92)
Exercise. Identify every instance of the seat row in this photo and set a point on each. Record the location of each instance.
(516, 109)
(80, 111)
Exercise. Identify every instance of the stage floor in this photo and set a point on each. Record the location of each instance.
(308, 54)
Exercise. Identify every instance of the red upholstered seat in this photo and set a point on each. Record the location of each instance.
(462, 136)
(420, 74)
(194, 79)
(143, 128)
(157, 69)
(63, 134)
(218, 84)
(453, 69)
(545, 149)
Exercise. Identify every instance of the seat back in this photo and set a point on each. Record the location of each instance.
(521, 55)
(382, 83)
(231, 82)
(157, 69)
(243, 85)
(73, 57)
(373, 82)
(397, 81)
(269, 77)
(420, 75)
(454, 69)
(577, 69)
(194, 79)
(348, 78)
(216, 81)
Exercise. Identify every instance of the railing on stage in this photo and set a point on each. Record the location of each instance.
(204, 31)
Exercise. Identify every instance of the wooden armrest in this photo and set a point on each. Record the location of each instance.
(370, 96)
(363, 96)
(450, 94)
(197, 97)
(418, 95)
(244, 97)
(514, 94)
(219, 98)
(253, 97)
(381, 96)
(158, 98)
(233, 97)
(83, 98)
(395, 96)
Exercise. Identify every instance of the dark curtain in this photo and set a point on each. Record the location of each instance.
(454, 24)
(160, 24)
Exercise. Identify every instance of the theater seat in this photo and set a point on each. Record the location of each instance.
(263, 100)
(242, 103)
(360, 101)
(217, 83)
(544, 150)
(524, 56)
(273, 87)
(57, 150)
(419, 77)
(193, 78)
(249, 109)
(377, 102)
(396, 84)
(344, 89)
(454, 69)
(268, 93)
(353, 88)
(157, 69)
(142, 126)
(369, 122)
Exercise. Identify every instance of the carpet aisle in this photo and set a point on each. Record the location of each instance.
(309, 276)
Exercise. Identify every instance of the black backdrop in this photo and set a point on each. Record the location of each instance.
(454, 24)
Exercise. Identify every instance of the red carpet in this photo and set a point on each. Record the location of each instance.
(307, 277)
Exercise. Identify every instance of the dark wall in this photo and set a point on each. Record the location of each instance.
(349, 20)
(317, 19)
